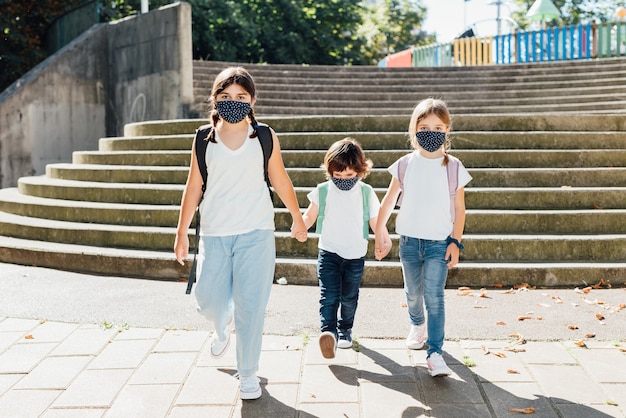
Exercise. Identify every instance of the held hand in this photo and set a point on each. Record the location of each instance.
(299, 231)
(382, 249)
(452, 255)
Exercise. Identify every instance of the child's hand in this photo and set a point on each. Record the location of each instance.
(299, 231)
(452, 255)
(382, 250)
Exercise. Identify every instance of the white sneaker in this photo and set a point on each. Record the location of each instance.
(437, 365)
(415, 340)
(249, 387)
(328, 344)
(219, 346)
(344, 342)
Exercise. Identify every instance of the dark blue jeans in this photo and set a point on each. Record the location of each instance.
(340, 280)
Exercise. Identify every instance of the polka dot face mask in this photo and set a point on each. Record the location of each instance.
(345, 184)
(233, 111)
(431, 141)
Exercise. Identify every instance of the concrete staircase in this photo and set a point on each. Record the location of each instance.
(547, 204)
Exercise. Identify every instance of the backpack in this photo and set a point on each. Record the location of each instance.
(366, 189)
(201, 142)
(452, 169)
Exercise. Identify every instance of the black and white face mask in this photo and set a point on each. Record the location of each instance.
(233, 111)
(431, 141)
(345, 184)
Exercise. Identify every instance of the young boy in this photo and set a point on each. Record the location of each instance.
(344, 209)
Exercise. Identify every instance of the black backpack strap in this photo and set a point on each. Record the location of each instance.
(267, 145)
(200, 142)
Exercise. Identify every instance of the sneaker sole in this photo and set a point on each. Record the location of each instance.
(415, 346)
(327, 346)
(440, 373)
(249, 396)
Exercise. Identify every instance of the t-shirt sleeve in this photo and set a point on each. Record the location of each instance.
(393, 169)
(464, 176)
(314, 196)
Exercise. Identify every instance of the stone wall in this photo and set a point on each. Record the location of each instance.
(136, 69)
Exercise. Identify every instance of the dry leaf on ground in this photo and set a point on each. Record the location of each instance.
(523, 317)
(600, 316)
(500, 323)
(512, 371)
(572, 327)
(29, 337)
(580, 343)
(529, 410)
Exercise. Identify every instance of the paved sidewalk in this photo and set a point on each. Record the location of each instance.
(107, 368)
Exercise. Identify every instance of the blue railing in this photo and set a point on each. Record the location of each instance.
(572, 42)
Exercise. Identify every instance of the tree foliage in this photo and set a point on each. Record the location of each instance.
(572, 11)
(331, 32)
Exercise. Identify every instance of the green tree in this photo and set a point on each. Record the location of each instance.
(572, 11)
(392, 26)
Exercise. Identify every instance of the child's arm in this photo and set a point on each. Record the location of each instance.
(189, 202)
(453, 251)
(386, 207)
(381, 253)
(282, 185)
(310, 215)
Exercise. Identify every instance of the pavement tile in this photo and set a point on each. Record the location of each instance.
(386, 365)
(321, 383)
(150, 401)
(567, 384)
(538, 352)
(73, 413)
(51, 332)
(277, 401)
(283, 342)
(162, 368)
(590, 411)
(459, 411)
(209, 386)
(54, 373)
(313, 355)
(505, 395)
(93, 389)
(86, 340)
(8, 338)
(391, 399)
(18, 324)
(458, 388)
(26, 403)
(181, 340)
(133, 333)
(492, 368)
(281, 366)
(124, 354)
(616, 392)
(201, 411)
(327, 410)
(602, 363)
(8, 380)
(22, 358)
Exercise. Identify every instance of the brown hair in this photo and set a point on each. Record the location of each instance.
(231, 75)
(424, 109)
(344, 154)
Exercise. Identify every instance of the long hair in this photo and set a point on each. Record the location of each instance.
(231, 75)
(424, 109)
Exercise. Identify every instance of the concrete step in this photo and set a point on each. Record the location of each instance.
(478, 248)
(163, 266)
(478, 221)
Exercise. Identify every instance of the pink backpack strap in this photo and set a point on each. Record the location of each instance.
(453, 181)
(402, 165)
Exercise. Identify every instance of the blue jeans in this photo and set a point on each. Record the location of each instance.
(235, 275)
(340, 280)
(425, 271)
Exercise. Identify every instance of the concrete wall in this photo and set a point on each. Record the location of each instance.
(134, 70)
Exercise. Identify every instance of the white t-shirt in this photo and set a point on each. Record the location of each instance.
(342, 229)
(236, 200)
(425, 210)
